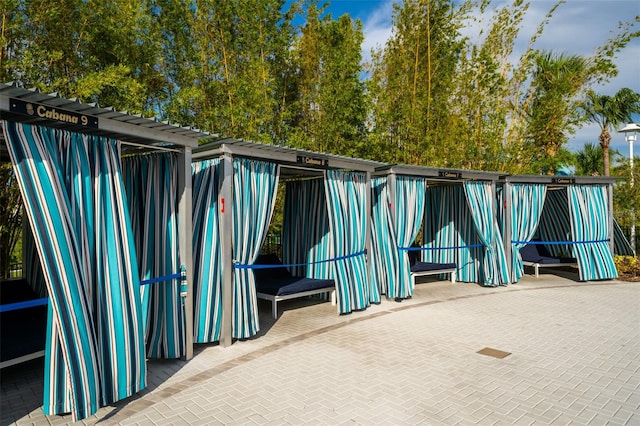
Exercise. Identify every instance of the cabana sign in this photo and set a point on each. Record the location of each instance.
(563, 180)
(52, 113)
(313, 161)
(449, 174)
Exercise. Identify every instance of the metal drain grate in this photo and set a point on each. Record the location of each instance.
(494, 353)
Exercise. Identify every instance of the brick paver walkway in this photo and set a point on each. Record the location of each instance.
(574, 359)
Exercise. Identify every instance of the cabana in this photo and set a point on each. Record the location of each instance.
(456, 210)
(67, 159)
(569, 216)
(325, 233)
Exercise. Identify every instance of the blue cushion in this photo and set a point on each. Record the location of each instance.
(428, 266)
(292, 285)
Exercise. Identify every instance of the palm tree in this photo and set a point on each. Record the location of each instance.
(609, 112)
(589, 161)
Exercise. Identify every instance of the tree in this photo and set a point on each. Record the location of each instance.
(10, 217)
(589, 161)
(552, 115)
(412, 80)
(609, 112)
(331, 106)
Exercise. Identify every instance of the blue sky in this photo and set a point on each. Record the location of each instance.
(577, 27)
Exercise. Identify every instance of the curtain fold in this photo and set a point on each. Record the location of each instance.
(346, 203)
(555, 223)
(255, 185)
(589, 211)
(305, 229)
(385, 256)
(622, 247)
(408, 206)
(207, 254)
(151, 181)
(450, 235)
(72, 189)
(481, 202)
(527, 202)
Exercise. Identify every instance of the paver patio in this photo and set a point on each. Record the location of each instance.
(574, 359)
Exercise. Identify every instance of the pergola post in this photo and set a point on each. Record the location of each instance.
(185, 236)
(226, 232)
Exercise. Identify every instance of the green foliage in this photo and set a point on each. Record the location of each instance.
(626, 192)
(589, 161)
(10, 217)
(609, 112)
(628, 267)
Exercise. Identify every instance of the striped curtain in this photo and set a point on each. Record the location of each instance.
(305, 229)
(385, 256)
(449, 232)
(346, 202)
(73, 195)
(481, 201)
(527, 201)
(590, 227)
(151, 181)
(32, 269)
(207, 255)
(555, 224)
(409, 212)
(622, 247)
(255, 185)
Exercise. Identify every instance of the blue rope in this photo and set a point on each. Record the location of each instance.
(268, 266)
(560, 242)
(439, 248)
(24, 305)
(159, 279)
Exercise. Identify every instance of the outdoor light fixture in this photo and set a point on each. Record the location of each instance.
(630, 131)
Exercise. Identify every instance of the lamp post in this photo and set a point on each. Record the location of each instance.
(630, 131)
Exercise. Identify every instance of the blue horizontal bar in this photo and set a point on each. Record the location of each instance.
(560, 242)
(288, 265)
(159, 279)
(439, 248)
(24, 305)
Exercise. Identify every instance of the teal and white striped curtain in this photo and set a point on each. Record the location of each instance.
(385, 255)
(589, 210)
(255, 185)
(409, 212)
(622, 247)
(482, 205)
(527, 201)
(555, 224)
(151, 181)
(207, 254)
(346, 202)
(72, 189)
(449, 232)
(305, 230)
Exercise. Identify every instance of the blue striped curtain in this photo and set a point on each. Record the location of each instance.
(151, 181)
(555, 224)
(207, 254)
(385, 256)
(527, 201)
(590, 227)
(305, 229)
(481, 201)
(255, 185)
(74, 199)
(346, 203)
(409, 212)
(449, 232)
